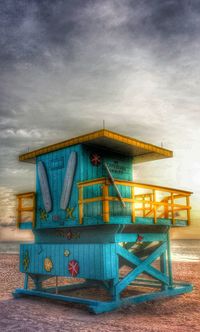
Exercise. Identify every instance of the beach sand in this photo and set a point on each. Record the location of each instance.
(180, 313)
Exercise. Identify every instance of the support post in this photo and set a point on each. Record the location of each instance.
(163, 268)
(169, 261)
(105, 203)
(166, 210)
(113, 291)
(188, 210)
(37, 282)
(26, 281)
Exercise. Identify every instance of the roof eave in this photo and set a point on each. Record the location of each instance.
(153, 152)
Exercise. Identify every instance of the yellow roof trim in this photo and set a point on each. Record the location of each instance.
(104, 133)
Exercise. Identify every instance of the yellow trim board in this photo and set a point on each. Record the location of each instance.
(112, 140)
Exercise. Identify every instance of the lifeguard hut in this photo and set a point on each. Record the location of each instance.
(90, 220)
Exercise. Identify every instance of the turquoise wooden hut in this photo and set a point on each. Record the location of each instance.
(92, 221)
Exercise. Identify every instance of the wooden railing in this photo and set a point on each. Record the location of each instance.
(26, 208)
(155, 202)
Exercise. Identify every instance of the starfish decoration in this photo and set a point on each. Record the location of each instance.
(69, 213)
(43, 215)
(95, 159)
(73, 268)
(26, 260)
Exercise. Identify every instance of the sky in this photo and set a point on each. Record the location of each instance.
(66, 66)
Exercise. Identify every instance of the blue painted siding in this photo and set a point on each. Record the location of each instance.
(96, 261)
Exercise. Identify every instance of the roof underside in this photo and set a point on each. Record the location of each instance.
(140, 151)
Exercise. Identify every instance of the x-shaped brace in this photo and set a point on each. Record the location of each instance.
(141, 266)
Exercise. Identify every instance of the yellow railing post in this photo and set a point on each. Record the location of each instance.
(151, 200)
(188, 210)
(166, 211)
(133, 204)
(80, 191)
(154, 206)
(105, 203)
(172, 207)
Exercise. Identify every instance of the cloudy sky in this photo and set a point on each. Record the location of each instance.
(67, 65)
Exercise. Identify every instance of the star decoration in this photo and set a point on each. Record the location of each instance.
(26, 260)
(73, 268)
(43, 215)
(69, 213)
(95, 159)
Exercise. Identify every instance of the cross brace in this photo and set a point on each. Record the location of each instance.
(141, 266)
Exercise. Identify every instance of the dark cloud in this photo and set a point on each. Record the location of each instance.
(168, 19)
(32, 30)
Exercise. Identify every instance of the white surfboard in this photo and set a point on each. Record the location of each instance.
(68, 180)
(44, 185)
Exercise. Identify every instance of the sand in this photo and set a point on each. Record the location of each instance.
(180, 313)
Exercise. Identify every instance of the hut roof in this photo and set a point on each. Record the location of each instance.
(140, 151)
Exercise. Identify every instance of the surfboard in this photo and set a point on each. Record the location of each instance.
(115, 186)
(44, 185)
(68, 180)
